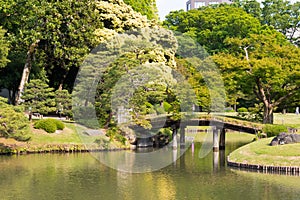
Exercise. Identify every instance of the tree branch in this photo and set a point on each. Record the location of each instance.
(276, 103)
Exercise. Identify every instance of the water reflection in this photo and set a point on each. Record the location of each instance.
(141, 160)
(81, 176)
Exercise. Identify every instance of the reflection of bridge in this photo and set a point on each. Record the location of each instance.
(219, 127)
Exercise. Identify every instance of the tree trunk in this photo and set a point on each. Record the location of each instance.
(268, 117)
(26, 72)
(268, 106)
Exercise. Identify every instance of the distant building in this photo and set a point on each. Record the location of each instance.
(194, 4)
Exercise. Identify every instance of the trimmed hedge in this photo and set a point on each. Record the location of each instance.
(49, 125)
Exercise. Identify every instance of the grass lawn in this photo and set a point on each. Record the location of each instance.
(231, 137)
(68, 135)
(279, 118)
(260, 152)
(287, 119)
(72, 137)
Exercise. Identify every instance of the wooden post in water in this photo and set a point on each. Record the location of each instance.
(215, 161)
(222, 139)
(182, 137)
(215, 139)
(222, 158)
(174, 138)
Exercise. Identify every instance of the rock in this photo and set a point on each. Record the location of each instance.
(295, 138)
(284, 138)
(274, 142)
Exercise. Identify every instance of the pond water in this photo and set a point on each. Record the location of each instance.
(81, 176)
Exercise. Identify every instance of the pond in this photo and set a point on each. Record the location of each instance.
(81, 176)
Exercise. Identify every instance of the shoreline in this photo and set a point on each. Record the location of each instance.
(293, 170)
(65, 149)
(260, 156)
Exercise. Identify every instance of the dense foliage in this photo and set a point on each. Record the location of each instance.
(55, 36)
(274, 130)
(284, 16)
(13, 122)
(39, 97)
(145, 7)
(251, 46)
(258, 64)
(4, 49)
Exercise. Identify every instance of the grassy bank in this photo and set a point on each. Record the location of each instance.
(261, 153)
(72, 138)
(231, 137)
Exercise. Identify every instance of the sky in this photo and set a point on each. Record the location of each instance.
(165, 6)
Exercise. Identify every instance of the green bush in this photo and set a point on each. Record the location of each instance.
(59, 124)
(115, 133)
(273, 130)
(13, 124)
(242, 109)
(49, 125)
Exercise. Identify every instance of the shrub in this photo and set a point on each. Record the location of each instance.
(242, 109)
(13, 124)
(228, 109)
(273, 130)
(46, 125)
(49, 125)
(115, 133)
(59, 124)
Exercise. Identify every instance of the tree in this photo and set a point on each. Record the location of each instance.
(251, 7)
(284, 16)
(63, 101)
(13, 123)
(267, 66)
(278, 13)
(145, 7)
(39, 97)
(57, 35)
(212, 26)
(115, 59)
(4, 48)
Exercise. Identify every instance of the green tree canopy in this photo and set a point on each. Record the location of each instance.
(57, 35)
(212, 26)
(4, 48)
(145, 7)
(39, 97)
(267, 66)
(284, 16)
(13, 122)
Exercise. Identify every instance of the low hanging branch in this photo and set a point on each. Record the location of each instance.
(26, 71)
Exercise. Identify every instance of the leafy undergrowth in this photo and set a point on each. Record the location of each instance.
(261, 153)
